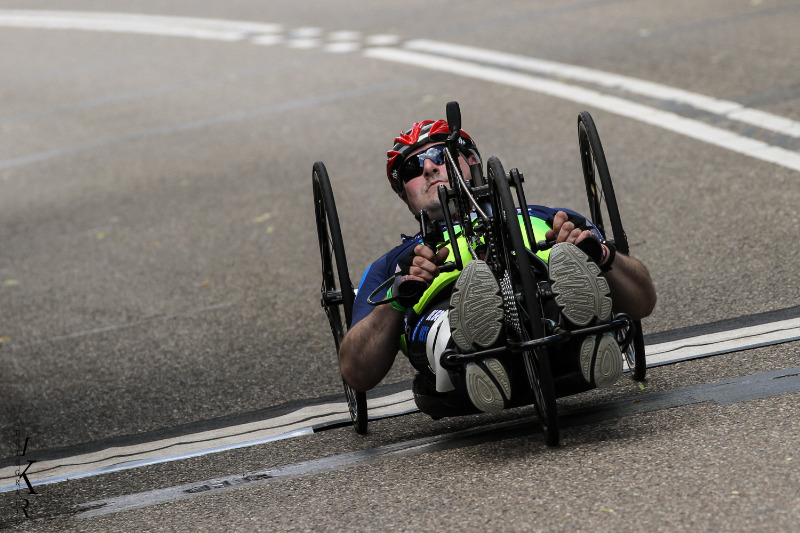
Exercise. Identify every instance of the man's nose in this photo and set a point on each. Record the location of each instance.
(429, 168)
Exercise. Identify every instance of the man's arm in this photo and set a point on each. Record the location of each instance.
(370, 346)
(632, 289)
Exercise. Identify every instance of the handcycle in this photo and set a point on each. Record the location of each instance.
(535, 347)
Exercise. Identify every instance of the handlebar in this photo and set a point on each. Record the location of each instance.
(411, 290)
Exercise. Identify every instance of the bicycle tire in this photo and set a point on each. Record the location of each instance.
(604, 213)
(516, 262)
(337, 290)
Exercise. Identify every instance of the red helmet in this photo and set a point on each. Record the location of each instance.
(421, 134)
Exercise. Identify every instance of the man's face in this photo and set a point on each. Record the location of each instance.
(421, 192)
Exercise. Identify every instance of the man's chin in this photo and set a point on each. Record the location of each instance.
(436, 213)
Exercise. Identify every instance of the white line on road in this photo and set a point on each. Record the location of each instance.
(726, 108)
(466, 63)
(724, 342)
(613, 104)
(198, 28)
(294, 424)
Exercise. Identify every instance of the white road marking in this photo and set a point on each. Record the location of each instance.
(619, 106)
(382, 40)
(294, 424)
(303, 43)
(728, 109)
(460, 60)
(342, 48)
(301, 421)
(268, 40)
(309, 32)
(724, 342)
(198, 28)
(344, 36)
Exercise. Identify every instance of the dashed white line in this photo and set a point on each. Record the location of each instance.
(307, 32)
(303, 43)
(344, 36)
(382, 40)
(342, 48)
(268, 40)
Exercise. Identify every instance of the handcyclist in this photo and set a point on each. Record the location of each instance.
(464, 311)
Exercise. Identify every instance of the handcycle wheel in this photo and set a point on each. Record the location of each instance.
(604, 213)
(522, 298)
(337, 293)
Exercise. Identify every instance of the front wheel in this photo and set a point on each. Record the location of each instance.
(523, 309)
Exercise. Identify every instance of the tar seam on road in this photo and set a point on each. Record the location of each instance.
(300, 419)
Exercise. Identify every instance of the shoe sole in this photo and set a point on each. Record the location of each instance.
(580, 290)
(601, 365)
(483, 392)
(476, 308)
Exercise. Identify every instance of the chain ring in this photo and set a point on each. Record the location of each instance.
(510, 305)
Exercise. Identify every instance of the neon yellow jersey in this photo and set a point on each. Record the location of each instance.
(443, 281)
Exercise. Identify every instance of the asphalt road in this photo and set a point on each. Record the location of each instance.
(159, 265)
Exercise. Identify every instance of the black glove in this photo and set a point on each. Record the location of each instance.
(593, 247)
(406, 292)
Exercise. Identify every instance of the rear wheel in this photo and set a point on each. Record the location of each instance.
(604, 213)
(523, 309)
(337, 293)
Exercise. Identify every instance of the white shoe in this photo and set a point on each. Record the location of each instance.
(488, 385)
(476, 308)
(601, 362)
(437, 342)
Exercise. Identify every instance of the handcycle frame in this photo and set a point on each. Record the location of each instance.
(495, 235)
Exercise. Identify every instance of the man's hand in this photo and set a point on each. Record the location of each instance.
(564, 230)
(574, 229)
(632, 289)
(425, 263)
(369, 347)
(414, 273)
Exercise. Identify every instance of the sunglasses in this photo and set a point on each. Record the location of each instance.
(414, 165)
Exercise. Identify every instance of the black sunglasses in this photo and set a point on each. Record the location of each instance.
(414, 165)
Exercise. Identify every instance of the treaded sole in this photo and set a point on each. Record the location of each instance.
(580, 290)
(483, 391)
(476, 308)
(601, 362)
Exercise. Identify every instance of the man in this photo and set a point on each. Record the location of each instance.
(464, 311)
